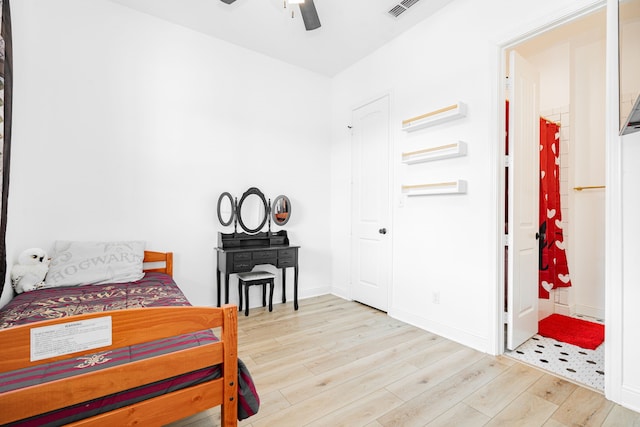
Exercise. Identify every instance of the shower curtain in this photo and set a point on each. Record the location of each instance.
(553, 268)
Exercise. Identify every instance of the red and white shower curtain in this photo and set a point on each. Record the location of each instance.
(553, 268)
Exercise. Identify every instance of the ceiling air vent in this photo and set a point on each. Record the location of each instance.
(408, 3)
(400, 8)
(396, 10)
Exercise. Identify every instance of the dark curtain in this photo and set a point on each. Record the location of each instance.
(6, 76)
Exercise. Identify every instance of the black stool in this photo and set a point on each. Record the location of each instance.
(263, 278)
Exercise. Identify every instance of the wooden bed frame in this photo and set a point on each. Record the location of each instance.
(133, 326)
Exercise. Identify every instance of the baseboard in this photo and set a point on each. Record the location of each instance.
(585, 310)
(566, 310)
(340, 292)
(466, 338)
(309, 293)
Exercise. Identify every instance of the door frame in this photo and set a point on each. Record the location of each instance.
(390, 195)
(613, 200)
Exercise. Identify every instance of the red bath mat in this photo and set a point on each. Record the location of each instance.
(572, 331)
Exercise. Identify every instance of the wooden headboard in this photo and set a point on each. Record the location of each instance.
(159, 257)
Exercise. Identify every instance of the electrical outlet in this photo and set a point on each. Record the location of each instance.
(435, 297)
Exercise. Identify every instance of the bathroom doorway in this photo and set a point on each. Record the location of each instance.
(570, 62)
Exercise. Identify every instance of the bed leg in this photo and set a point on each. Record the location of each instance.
(229, 335)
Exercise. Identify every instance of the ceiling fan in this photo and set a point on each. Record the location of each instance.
(307, 10)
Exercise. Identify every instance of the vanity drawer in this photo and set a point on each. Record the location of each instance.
(242, 256)
(242, 266)
(287, 253)
(286, 262)
(264, 257)
(263, 254)
(287, 257)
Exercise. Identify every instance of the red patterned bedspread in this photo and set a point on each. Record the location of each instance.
(154, 290)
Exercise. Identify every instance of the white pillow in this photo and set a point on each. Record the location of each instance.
(96, 263)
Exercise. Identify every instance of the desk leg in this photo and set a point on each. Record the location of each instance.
(295, 288)
(218, 285)
(226, 288)
(271, 295)
(284, 284)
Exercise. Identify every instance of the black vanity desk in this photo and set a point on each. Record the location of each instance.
(240, 252)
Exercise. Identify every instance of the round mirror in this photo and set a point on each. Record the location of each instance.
(226, 210)
(252, 210)
(281, 210)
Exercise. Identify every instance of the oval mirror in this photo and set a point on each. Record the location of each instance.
(226, 210)
(281, 210)
(252, 210)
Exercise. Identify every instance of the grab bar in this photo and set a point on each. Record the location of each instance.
(592, 187)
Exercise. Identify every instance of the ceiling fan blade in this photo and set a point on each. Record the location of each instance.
(227, 1)
(309, 15)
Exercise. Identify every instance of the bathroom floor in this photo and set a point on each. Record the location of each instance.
(575, 363)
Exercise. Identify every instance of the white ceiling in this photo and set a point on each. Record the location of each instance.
(351, 29)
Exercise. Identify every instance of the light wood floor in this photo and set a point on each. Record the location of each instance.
(340, 363)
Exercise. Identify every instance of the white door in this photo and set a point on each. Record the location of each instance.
(523, 199)
(370, 239)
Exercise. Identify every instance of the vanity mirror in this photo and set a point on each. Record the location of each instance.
(226, 209)
(281, 210)
(252, 210)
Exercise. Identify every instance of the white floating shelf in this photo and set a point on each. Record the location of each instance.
(432, 118)
(452, 187)
(435, 153)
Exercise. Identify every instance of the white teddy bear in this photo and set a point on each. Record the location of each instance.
(29, 273)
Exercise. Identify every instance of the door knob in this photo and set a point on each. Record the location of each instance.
(382, 231)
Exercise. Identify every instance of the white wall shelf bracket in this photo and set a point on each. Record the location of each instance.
(435, 153)
(435, 117)
(451, 187)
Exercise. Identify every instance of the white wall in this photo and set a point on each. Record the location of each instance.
(588, 169)
(630, 145)
(554, 66)
(429, 231)
(441, 243)
(129, 127)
